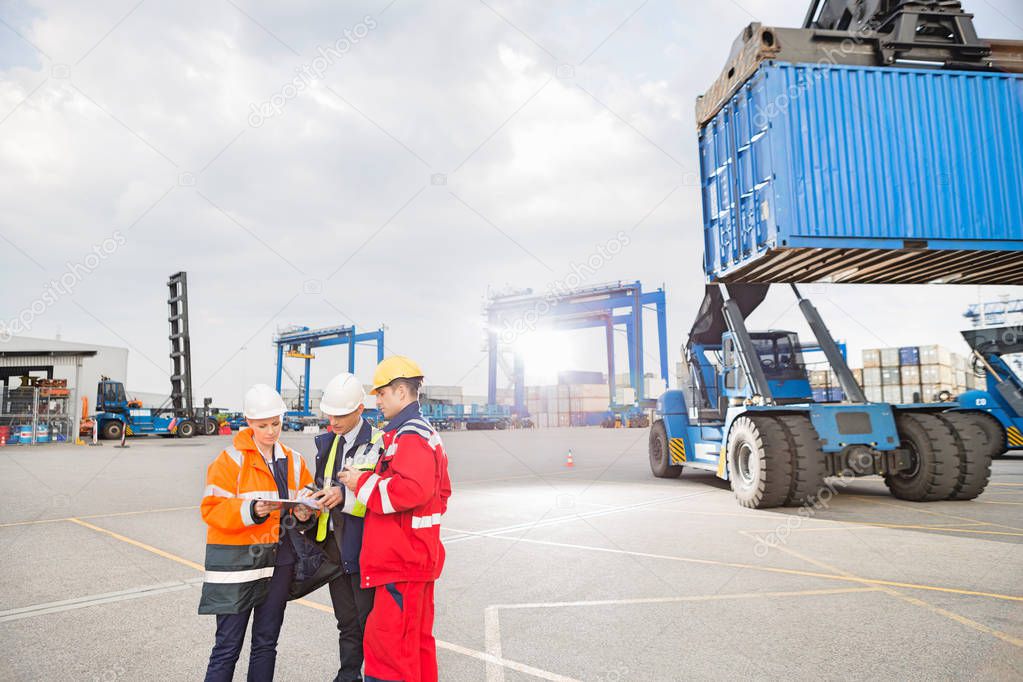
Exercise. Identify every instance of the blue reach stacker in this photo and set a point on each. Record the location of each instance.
(854, 150)
(999, 406)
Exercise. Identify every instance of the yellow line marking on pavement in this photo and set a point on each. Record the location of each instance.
(781, 518)
(140, 511)
(33, 523)
(920, 510)
(472, 653)
(97, 516)
(962, 620)
(1008, 485)
(947, 529)
(765, 569)
(140, 545)
(1012, 503)
(691, 598)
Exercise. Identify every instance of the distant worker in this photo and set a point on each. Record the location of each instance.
(402, 555)
(250, 559)
(354, 443)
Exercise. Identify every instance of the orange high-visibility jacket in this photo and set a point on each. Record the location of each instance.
(241, 548)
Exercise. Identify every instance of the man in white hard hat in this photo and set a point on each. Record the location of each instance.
(352, 443)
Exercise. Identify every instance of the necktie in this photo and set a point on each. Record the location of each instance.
(328, 480)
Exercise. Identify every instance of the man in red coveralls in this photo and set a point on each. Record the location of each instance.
(402, 555)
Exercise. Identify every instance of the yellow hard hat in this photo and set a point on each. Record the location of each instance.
(395, 367)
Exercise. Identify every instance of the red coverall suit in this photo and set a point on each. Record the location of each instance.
(402, 554)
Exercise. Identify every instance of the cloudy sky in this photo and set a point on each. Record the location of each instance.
(371, 163)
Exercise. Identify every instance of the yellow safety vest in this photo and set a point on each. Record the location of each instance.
(364, 461)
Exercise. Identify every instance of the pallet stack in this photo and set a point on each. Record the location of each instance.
(825, 386)
(567, 404)
(913, 374)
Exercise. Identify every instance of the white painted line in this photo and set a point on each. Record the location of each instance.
(541, 476)
(492, 623)
(95, 599)
(170, 587)
(511, 665)
(468, 534)
(765, 569)
(492, 643)
(540, 492)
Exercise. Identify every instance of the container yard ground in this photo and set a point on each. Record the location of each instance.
(596, 572)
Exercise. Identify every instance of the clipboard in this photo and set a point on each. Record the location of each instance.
(306, 501)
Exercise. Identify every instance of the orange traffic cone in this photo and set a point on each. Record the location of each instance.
(569, 461)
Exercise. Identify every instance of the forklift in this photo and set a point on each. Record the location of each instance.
(746, 412)
(116, 416)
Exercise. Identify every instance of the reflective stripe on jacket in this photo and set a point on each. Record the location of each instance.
(241, 549)
(405, 497)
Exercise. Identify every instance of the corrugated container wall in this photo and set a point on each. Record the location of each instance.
(865, 174)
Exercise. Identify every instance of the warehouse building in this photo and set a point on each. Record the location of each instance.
(59, 374)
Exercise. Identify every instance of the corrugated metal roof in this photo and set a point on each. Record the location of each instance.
(29, 359)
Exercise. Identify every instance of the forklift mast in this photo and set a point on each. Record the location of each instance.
(180, 346)
(747, 352)
(853, 391)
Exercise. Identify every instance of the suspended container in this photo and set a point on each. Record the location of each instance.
(819, 172)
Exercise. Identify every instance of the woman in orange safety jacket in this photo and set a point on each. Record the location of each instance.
(250, 558)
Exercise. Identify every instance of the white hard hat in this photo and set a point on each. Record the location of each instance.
(343, 395)
(262, 402)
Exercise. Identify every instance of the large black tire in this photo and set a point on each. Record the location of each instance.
(210, 426)
(759, 462)
(111, 430)
(186, 429)
(974, 454)
(808, 466)
(994, 433)
(660, 458)
(934, 459)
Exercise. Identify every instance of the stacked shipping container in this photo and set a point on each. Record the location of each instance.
(915, 374)
(567, 404)
(450, 395)
(826, 388)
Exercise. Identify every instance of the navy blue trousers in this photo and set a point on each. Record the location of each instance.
(266, 628)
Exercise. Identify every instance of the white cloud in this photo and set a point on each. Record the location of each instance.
(432, 89)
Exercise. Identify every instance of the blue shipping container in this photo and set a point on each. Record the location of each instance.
(865, 174)
(828, 395)
(910, 355)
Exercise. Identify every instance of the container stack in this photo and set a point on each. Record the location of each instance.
(567, 404)
(449, 395)
(653, 386)
(914, 374)
(825, 385)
